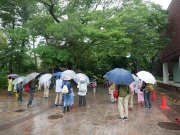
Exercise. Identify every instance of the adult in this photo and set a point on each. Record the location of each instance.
(10, 86)
(46, 88)
(67, 97)
(131, 95)
(112, 89)
(31, 92)
(19, 91)
(82, 93)
(123, 101)
(147, 95)
(58, 100)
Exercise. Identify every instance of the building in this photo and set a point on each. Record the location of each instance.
(170, 55)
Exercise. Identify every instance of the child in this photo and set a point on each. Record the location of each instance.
(140, 94)
(112, 89)
(94, 85)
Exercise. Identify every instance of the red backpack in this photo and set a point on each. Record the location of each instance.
(27, 87)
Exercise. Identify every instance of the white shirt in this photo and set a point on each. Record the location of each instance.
(58, 85)
(82, 93)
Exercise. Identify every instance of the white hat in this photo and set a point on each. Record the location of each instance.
(67, 78)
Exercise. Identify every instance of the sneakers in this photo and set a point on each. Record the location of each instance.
(123, 119)
(146, 108)
(55, 105)
(30, 106)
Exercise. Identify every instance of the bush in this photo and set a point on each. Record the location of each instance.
(3, 82)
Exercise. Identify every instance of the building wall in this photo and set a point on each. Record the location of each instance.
(172, 51)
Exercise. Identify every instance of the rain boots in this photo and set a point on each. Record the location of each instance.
(65, 109)
(68, 108)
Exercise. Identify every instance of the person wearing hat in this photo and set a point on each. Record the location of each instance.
(67, 96)
(82, 86)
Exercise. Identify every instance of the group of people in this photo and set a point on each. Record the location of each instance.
(126, 93)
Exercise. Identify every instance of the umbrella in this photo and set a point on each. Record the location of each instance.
(137, 81)
(57, 74)
(108, 73)
(29, 77)
(79, 75)
(18, 80)
(69, 73)
(45, 78)
(146, 76)
(12, 75)
(120, 76)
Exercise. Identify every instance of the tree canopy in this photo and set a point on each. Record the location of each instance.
(83, 34)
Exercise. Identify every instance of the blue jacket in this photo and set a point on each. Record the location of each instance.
(69, 85)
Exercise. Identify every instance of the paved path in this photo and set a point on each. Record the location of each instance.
(99, 117)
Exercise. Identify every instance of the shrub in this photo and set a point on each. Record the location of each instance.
(3, 82)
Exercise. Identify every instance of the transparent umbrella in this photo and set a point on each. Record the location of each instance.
(69, 73)
(146, 76)
(18, 80)
(79, 75)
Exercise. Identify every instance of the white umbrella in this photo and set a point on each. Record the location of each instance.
(29, 77)
(79, 75)
(45, 78)
(146, 76)
(18, 80)
(69, 73)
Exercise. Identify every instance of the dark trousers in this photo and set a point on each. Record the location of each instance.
(19, 95)
(82, 100)
(147, 99)
(9, 93)
(31, 96)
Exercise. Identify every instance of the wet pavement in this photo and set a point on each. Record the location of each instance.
(99, 117)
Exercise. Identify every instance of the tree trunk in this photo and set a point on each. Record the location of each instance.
(35, 58)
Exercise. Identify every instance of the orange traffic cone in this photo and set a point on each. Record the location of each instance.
(163, 105)
(154, 95)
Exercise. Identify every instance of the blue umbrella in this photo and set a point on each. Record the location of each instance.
(120, 76)
(57, 74)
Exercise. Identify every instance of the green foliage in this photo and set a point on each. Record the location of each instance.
(3, 81)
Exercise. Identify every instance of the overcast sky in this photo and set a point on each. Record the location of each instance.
(164, 3)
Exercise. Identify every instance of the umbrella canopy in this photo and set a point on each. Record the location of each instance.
(109, 72)
(146, 76)
(57, 74)
(69, 73)
(79, 75)
(120, 76)
(18, 80)
(45, 78)
(12, 75)
(137, 81)
(29, 77)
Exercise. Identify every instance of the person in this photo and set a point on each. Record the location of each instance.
(109, 84)
(10, 86)
(82, 94)
(15, 89)
(147, 96)
(46, 88)
(140, 94)
(131, 95)
(94, 85)
(104, 82)
(72, 99)
(31, 93)
(58, 100)
(67, 97)
(112, 89)
(123, 101)
(19, 91)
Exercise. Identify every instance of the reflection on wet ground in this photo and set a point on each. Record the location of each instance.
(99, 117)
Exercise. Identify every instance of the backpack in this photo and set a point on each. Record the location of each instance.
(82, 87)
(150, 87)
(65, 89)
(27, 87)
